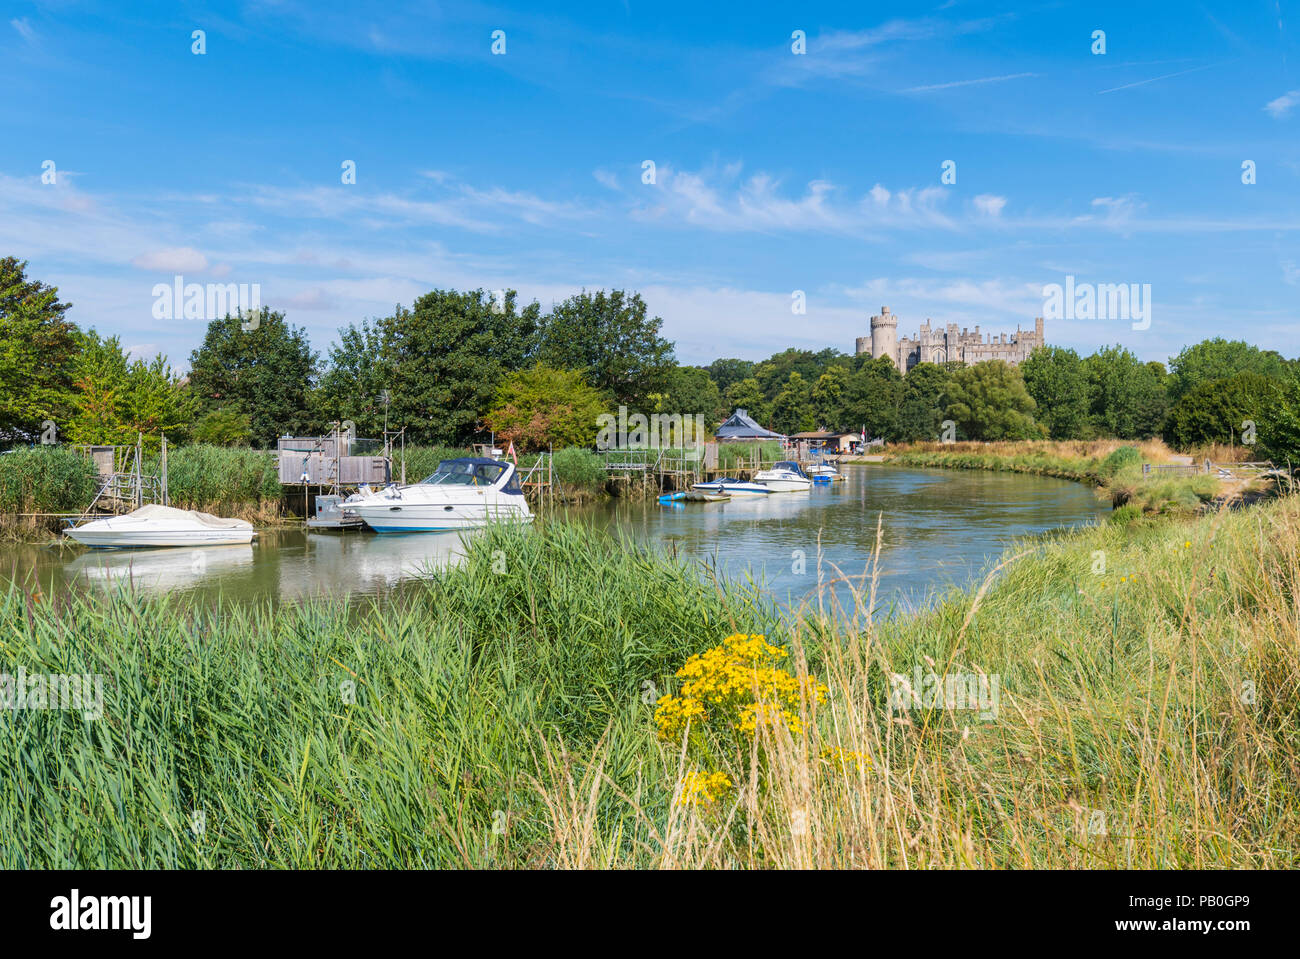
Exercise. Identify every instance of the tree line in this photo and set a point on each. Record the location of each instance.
(459, 366)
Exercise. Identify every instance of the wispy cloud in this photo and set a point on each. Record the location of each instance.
(966, 83)
(1283, 104)
(174, 260)
(844, 54)
(24, 29)
(1166, 76)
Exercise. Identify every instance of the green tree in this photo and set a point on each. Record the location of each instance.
(267, 374)
(792, 410)
(442, 361)
(38, 346)
(1285, 439)
(747, 395)
(544, 407)
(116, 398)
(1218, 359)
(872, 398)
(613, 339)
(773, 373)
(1126, 397)
(920, 412)
(988, 401)
(727, 371)
(1220, 411)
(224, 427)
(829, 397)
(1056, 379)
(353, 386)
(690, 391)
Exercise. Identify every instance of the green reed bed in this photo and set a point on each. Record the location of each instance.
(45, 479)
(222, 479)
(245, 718)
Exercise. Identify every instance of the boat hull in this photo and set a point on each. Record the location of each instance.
(435, 518)
(108, 538)
(732, 490)
(787, 485)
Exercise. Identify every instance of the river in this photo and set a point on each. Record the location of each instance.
(940, 528)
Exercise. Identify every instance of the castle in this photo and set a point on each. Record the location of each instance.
(946, 344)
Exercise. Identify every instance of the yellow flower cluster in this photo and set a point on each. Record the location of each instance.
(842, 757)
(698, 787)
(741, 682)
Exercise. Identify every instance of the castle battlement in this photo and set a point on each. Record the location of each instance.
(946, 344)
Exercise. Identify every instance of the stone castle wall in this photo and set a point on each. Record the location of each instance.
(947, 343)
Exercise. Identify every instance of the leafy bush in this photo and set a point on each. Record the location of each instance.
(1123, 461)
(46, 479)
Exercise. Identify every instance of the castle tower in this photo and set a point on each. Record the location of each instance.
(884, 335)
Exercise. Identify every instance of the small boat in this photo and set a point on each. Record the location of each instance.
(156, 525)
(733, 487)
(823, 469)
(784, 477)
(694, 496)
(459, 494)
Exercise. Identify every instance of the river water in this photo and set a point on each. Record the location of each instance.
(940, 528)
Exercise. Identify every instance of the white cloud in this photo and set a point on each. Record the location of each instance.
(175, 260)
(313, 299)
(1283, 104)
(989, 204)
(719, 200)
(24, 29)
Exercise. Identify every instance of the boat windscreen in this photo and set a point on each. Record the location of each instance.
(465, 473)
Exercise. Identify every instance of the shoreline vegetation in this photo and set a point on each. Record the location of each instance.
(242, 482)
(532, 713)
(1114, 467)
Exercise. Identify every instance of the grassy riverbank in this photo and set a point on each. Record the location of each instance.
(1114, 466)
(504, 715)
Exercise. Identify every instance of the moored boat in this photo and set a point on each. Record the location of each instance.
(785, 477)
(157, 525)
(694, 496)
(733, 487)
(459, 494)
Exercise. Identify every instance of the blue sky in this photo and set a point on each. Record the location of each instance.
(774, 171)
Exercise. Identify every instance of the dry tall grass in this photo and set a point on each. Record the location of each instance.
(1152, 450)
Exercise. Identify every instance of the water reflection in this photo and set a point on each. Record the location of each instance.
(938, 529)
(154, 569)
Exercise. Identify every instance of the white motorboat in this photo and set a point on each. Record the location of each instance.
(823, 469)
(733, 487)
(461, 493)
(156, 525)
(784, 477)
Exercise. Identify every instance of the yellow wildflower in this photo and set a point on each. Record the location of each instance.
(703, 788)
